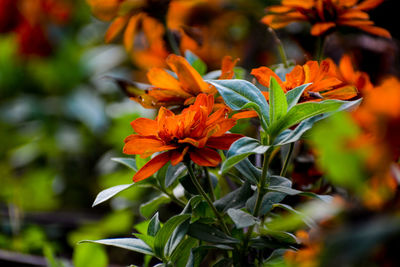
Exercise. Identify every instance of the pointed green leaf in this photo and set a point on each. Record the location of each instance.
(241, 219)
(110, 192)
(293, 96)
(166, 231)
(277, 101)
(128, 162)
(133, 244)
(173, 173)
(210, 234)
(250, 172)
(238, 94)
(180, 256)
(235, 199)
(154, 225)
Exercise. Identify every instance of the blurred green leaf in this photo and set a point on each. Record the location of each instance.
(196, 62)
(133, 244)
(241, 219)
(90, 256)
(128, 162)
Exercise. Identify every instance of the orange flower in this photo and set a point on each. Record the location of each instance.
(350, 76)
(323, 77)
(194, 134)
(325, 15)
(166, 90)
(140, 22)
(307, 256)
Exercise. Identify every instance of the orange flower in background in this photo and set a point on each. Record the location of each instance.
(325, 15)
(167, 90)
(195, 133)
(141, 24)
(325, 82)
(349, 75)
(307, 256)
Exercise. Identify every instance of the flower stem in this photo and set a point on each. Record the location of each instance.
(206, 197)
(320, 48)
(281, 49)
(287, 160)
(212, 195)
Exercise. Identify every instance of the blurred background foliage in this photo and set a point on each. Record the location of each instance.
(62, 120)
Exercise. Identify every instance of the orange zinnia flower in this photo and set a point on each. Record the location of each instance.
(325, 15)
(325, 82)
(194, 134)
(166, 90)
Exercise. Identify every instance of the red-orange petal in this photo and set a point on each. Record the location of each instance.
(178, 156)
(144, 145)
(205, 157)
(223, 142)
(130, 31)
(264, 74)
(116, 28)
(152, 166)
(245, 115)
(321, 27)
(145, 126)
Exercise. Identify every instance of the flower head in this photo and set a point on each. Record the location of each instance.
(324, 79)
(167, 90)
(195, 134)
(325, 15)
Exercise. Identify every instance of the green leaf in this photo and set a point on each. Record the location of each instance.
(173, 173)
(181, 254)
(241, 219)
(149, 208)
(133, 244)
(281, 236)
(240, 150)
(90, 256)
(267, 203)
(196, 62)
(128, 162)
(275, 259)
(161, 175)
(176, 237)
(166, 231)
(250, 172)
(293, 192)
(141, 162)
(277, 101)
(154, 225)
(148, 239)
(293, 96)
(235, 199)
(302, 112)
(110, 192)
(210, 234)
(238, 94)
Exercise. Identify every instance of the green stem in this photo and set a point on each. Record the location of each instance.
(281, 49)
(260, 192)
(206, 197)
(320, 48)
(287, 160)
(210, 184)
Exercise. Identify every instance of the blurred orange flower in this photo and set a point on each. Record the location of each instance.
(306, 256)
(195, 133)
(325, 82)
(167, 90)
(325, 15)
(141, 24)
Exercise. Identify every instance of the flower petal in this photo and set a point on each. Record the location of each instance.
(205, 157)
(189, 78)
(144, 145)
(116, 28)
(178, 156)
(152, 166)
(144, 126)
(264, 74)
(223, 142)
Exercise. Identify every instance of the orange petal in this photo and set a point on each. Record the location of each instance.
(224, 126)
(205, 157)
(115, 28)
(227, 68)
(264, 74)
(346, 68)
(376, 31)
(144, 126)
(178, 156)
(130, 32)
(343, 93)
(306, 4)
(144, 146)
(152, 166)
(369, 4)
(104, 9)
(189, 78)
(245, 115)
(321, 27)
(223, 142)
(162, 79)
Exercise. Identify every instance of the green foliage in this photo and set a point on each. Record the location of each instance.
(90, 256)
(196, 62)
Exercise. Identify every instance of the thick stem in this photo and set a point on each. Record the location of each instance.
(206, 197)
(287, 160)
